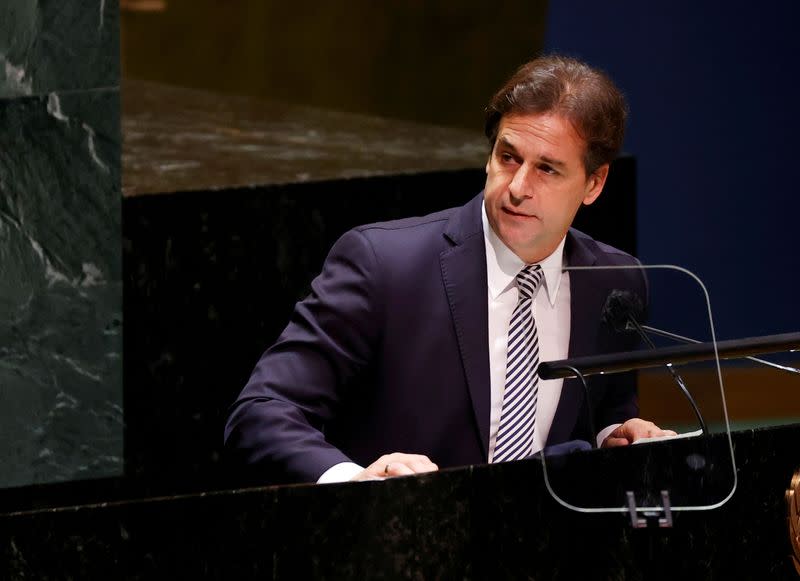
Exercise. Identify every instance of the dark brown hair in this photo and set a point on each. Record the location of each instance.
(586, 97)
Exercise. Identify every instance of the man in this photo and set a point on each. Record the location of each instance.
(418, 345)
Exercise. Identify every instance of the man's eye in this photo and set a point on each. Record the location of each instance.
(507, 157)
(547, 169)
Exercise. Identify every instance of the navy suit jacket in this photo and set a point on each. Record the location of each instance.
(389, 353)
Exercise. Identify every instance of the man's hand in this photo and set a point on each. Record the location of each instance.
(397, 464)
(632, 430)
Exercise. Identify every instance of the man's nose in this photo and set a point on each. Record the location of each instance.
(521, 185)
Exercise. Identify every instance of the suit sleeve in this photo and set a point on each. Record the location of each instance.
(276, 425)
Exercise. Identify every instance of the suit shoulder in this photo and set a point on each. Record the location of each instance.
(605, 253)
(435, 220)
(390, 240)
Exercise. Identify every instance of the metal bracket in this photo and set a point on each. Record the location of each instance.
(637, 522)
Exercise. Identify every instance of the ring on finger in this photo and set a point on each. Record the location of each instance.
(386, 470)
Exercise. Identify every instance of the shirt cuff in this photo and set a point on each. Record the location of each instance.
(601, 435)
(341, 472)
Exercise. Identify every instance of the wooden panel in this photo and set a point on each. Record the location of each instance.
(434, 62)
(754, 395)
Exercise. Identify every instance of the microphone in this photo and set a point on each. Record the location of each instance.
(621, 308)
(622, 312)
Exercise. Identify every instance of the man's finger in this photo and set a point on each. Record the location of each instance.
(420, 466)
(397, 469)
(397, 464)
(612, 442)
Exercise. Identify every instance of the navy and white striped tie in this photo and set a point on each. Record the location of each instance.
(515, 434)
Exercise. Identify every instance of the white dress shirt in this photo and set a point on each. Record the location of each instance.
(551, 311)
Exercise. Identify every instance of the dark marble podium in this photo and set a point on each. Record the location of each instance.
(481, 522)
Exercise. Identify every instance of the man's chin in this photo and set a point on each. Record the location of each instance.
(524, 248)
(530, 248)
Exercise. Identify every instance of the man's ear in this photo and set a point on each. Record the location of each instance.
(595, 183)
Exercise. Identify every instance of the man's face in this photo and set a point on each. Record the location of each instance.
(536, 181)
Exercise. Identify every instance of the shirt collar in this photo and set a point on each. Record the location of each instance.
(502, 265)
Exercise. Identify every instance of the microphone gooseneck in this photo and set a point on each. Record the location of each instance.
(622, 312)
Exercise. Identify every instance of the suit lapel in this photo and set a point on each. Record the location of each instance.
(465, 283)
(582, 336)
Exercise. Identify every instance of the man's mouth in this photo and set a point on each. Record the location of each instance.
(518, 214)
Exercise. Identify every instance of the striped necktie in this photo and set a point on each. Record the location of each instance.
(515, 434)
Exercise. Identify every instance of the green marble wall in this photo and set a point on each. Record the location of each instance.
(60, 231)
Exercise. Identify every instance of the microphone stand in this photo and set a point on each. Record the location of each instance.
(678, 379)
(590, 414)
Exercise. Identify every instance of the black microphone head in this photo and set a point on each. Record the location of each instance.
(622, 306)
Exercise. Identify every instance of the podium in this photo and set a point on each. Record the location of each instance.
(478, 522)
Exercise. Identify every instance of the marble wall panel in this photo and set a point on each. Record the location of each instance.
(60, 288)
(60, 251)
(48, 45)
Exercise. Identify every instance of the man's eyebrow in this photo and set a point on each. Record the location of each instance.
(552, 161)
(504, 142)
(507, 144)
